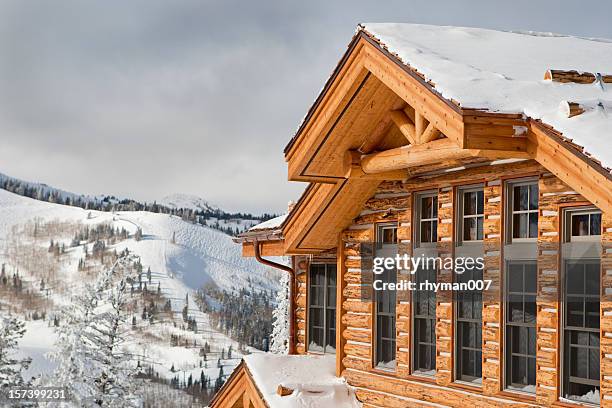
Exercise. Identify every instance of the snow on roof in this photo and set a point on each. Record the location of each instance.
(503, 72)
(311, 377)
(273, 223)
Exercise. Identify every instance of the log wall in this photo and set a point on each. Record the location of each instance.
(393, 202)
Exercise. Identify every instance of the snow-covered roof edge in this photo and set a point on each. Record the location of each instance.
(362, 32)
(600, 160)
(273, 223)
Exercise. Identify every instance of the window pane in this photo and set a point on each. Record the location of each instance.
(434, 231)
(469, 203)
(388, 235)
(520, 199)
(575, 311)
(531, 278)
(426, 231)
(434, 202)
(426, 207)
(594, 367)
(592, 314)
(515, 308)
(533, 225)
(480, 202)
(595, 224)
(515, 277)
(520, 225)
(580, 225)
(530, 308)
(533, 196)
(470, 229)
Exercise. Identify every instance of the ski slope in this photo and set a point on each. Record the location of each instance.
(182, 256)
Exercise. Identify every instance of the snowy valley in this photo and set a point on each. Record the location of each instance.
(178, 343)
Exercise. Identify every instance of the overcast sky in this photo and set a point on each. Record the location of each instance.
(147, 98)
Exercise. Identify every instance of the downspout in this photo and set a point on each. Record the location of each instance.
(291, 273)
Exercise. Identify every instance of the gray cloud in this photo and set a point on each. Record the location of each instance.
(147, 98)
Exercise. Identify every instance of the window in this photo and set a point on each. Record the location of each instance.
(472, 214)
(424, 323)
(469, 330)
(322, 308)
(583, 225)
(427, 219)
(581, 330)
(385, 300)
(524, 210)
(521, 279)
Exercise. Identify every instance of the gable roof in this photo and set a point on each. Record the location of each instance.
(502, 71)
(437, 72)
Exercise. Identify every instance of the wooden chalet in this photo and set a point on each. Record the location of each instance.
(455, 142)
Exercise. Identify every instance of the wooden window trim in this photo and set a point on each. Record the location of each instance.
(307, 311)
(373, 321)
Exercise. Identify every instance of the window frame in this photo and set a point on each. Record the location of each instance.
(510, 212)
(325, 308)
(376, 346)
(461, 217)
(588, 244)
(568, 217)
(433, 194)
(415, 343)
(508, 353)
(458, 345)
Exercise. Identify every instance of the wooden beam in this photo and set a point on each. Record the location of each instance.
(557, 75)
(408, 156)
(267, 248)
(353, 170)
(570, 109)
(405, 126)
(420, 124)
(430, 133)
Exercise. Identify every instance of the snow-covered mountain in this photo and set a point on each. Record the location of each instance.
(188, 207)
(182, 256)
(189, 201)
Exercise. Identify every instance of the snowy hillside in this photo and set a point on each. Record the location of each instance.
(182, 257)
(200, 255)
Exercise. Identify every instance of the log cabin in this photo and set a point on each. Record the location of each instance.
(453, 142)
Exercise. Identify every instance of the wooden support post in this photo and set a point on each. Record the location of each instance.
(430, 133)
(420, 124)
(405, 126)
(340, 326)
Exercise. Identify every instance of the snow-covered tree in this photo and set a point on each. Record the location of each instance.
(11, 330)
(92, 362)
(280, 325)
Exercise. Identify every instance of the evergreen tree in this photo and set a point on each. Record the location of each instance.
(91, 363)
(11, 330)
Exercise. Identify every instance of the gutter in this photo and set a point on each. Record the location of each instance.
(291, 273)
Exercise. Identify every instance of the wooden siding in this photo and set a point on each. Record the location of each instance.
(393, 201)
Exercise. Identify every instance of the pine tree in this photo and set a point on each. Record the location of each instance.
(11, 330)
(280, 322)
(91, 363)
